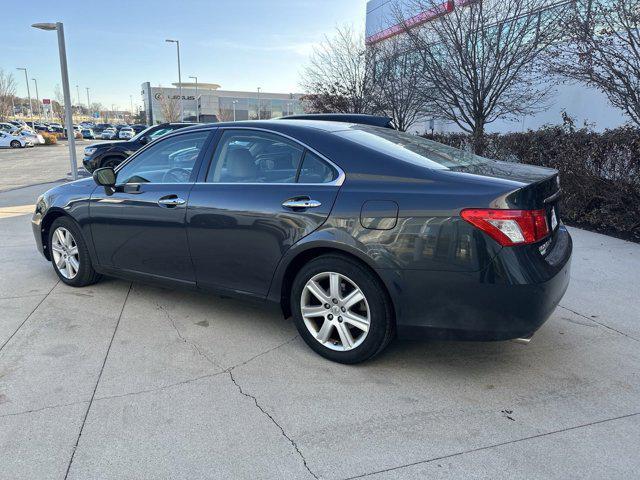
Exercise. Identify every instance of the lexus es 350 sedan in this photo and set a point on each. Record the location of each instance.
(358, 232)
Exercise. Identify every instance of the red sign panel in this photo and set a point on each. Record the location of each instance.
(423, 17)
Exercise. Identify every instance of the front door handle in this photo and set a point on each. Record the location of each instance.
(171, 201)
(301, 202)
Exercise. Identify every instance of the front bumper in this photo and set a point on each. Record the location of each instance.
(509, 299)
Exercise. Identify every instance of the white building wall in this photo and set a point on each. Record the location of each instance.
(584, 104)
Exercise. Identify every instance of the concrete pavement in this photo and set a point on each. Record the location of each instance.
(122, 380)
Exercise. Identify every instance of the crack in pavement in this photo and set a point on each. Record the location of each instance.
(273, 420)
(495, 445)
(187, 341)
(95, 388)
(29, 316)
(599, 323)
(46, 407)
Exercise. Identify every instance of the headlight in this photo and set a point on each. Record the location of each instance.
(90, 150)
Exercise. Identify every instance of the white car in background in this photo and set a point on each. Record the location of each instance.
(126, 133)
(108, 134)
(31, 136)
(8, 127)
(13, 141)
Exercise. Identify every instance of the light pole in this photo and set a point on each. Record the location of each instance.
(65, 87)
(258, 103)
(88, 103)
(131, 109)
(26, 79)
(177, 42)
(234, 109)
(38, 99)
(197, 106)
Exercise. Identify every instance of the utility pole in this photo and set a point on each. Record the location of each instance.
(26, 79)
(59, 27)
(197, 101)
(177, 42)
(88, 102)
(38, 100)
(258, 103)
(234, 109)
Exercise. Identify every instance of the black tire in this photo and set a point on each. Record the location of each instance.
(15, 144)
(85, 275)
(382, 323)
(112, 162)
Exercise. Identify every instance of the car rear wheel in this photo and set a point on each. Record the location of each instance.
(69, 254)
(341, 309)
(15, 144)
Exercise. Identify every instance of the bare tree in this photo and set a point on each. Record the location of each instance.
(603, 50)
(338, 78)
(397, 75)
(169, 107)
(481, 57)
(7, 93)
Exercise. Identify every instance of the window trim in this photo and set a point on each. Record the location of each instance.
(176, 133)
(339, 180)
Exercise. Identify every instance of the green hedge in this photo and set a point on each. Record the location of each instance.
(599, 172)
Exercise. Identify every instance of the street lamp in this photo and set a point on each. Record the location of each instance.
(177, 42)
(258, 103)
(59, 27)
(131, 109)
(234, 109)
(26, 79)
(88, 103)
(38, 99)
(197, 106)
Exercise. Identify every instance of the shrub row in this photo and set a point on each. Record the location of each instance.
(599, 172)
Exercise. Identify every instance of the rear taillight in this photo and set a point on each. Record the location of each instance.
(509, 227)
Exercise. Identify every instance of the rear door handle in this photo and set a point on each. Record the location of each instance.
(171, 201)
(301, 202)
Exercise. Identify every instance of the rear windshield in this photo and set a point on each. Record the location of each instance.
(411, 148)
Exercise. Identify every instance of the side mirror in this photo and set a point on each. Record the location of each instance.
(105, 177)
(144, 140)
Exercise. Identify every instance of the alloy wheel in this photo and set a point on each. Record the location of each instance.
(65, 253)
(335, 311)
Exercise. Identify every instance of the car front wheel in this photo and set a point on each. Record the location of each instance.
(15, 144)
(69, 254)
(341, 309)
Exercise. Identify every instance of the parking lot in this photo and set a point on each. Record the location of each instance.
(42, 164)
(125, 380)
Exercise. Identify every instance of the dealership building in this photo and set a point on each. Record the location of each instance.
(584, 104)
(206, 102)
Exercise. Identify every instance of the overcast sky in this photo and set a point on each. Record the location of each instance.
(113, 46)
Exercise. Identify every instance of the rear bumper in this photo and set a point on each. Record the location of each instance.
(511, 298)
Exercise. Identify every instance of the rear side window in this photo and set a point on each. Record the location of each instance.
(315, 170)
(252, 156)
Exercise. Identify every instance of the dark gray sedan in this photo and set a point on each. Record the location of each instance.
(358, 232)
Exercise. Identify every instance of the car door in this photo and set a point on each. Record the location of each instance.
(261, 193)
(140, 227)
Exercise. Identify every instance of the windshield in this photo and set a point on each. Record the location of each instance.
(142, 133)
(411, 148)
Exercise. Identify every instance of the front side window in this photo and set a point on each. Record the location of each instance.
(169, 161)
(251, 156)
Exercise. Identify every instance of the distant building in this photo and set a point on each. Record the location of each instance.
(582, 103)
(210, 104)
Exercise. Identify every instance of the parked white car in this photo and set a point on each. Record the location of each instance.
(31, 136)
(8, 127)
(126, 133)
(108, 134)
(13, 141)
